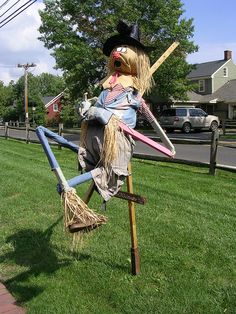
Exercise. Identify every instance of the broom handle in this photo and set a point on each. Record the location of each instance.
(42, 134)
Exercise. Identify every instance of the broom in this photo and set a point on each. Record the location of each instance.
(78, 216)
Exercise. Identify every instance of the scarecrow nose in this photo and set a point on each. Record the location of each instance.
(115, 55)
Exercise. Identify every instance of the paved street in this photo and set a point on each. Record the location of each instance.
(198, 153)
(191, 152)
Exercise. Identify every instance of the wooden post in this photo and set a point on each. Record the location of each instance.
(60, 129)
(6, 130)
(223, 127)
(163, 57)
(27, 137)
(135, 259)
(213, 152)
(89, 193)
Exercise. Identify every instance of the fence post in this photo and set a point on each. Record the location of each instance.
(60, 129)
(27, 137)
(213, 152)
(6, 130)
(223, 127)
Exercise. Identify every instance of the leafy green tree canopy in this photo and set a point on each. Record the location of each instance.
(12, 97)
(76, 31)
(6, 98)
(50, 85)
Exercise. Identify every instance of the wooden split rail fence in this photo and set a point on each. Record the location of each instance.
(213, 143)
(228, 126)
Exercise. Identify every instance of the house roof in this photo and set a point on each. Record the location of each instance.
(206, 69)
(226, 93)
(194, 97)
(48, 100)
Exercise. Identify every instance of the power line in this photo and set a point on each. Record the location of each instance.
(9, 8)
(2, 5)
(17, 13)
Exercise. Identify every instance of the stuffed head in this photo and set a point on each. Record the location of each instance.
(123, 59)
(128, 58)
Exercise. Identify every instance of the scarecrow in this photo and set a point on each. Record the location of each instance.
(106, 146)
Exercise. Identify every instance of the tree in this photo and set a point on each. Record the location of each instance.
(50, 85)
(68, 115)
(12, 97)
(34, 98)
(76, 31)
(44, 84)
(6, 100)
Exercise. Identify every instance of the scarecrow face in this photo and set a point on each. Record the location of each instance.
(123, 59)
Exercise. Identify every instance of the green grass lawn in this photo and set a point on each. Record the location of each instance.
(228, 137)
(186, 234)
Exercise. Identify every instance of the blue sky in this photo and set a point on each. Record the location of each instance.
(215, 30)
(214, 33)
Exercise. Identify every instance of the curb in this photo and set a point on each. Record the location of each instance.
(8, 304)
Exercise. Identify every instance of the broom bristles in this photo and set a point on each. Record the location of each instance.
(77, 211)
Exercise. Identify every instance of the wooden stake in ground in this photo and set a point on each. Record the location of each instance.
(135, 259)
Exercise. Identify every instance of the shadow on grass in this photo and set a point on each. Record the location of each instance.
(31, 249)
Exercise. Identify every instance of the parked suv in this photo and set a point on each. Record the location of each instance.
(186, 119)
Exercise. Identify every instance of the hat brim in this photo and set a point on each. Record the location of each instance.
(118, 40)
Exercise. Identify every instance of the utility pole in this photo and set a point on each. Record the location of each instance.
(26, 67)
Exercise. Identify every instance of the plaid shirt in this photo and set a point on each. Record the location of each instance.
(124, 103)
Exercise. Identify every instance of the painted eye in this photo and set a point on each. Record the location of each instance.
(121, 49)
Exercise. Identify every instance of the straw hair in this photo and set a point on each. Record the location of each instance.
(144, 79)
(109, 149)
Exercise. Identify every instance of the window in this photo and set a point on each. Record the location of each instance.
(201, 86)
(181, 112)
(225, 72)
(192, 113)
(168, 112)
(196, 113)
(55, 107)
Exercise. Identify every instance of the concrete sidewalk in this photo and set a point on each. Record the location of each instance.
(8, 304)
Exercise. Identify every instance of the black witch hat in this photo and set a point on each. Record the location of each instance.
(128, 35)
